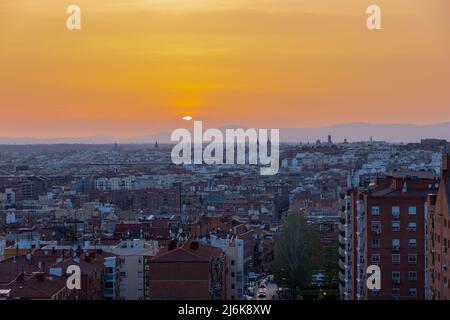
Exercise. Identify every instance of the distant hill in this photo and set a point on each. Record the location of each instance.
(351, 132)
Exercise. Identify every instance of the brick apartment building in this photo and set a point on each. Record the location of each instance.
(385, 225)
(439, 237)
(188, 271)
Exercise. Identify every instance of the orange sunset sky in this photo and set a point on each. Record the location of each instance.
(138, 66)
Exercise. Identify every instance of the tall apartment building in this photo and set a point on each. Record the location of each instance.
(234, 251)
(348, 245)
(385, 225)
(132, 256)
(439, 237)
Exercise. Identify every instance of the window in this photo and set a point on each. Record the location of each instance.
(375, 243)
(232, 274)
(412, 275)
(412, 258)
(395, 258)
(123, 274)
(232, 262)
(376, 226)
(395, 212)
(109, 270)
(396, 277)
(140, 274)
(375, 210)
(375, 292)
(412, 243)
(395, 292)
(395, 244)
(411, 226)
(375, 258)
(412, 211)
(412, 292)
(395, 225)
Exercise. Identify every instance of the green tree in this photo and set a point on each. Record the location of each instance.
(330, 263)
(294, 258)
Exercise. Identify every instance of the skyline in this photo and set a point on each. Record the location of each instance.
(137, 67)
(351, 132)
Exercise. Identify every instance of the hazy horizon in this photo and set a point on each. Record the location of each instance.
(395, 133)
(188, 125)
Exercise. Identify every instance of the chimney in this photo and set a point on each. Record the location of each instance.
(78, 251)
(194, 245)
(172, 244)
(40, 276)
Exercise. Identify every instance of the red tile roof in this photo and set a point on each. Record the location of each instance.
(186, 253)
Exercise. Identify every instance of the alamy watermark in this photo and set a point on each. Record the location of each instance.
(374, 20)
(241, 146)
(373, 281)
(73, 21)
(74, 279)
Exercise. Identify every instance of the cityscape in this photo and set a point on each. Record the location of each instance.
(142, 228)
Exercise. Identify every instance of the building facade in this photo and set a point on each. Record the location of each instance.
(188, 271)
(439, 237)
(385, 225)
